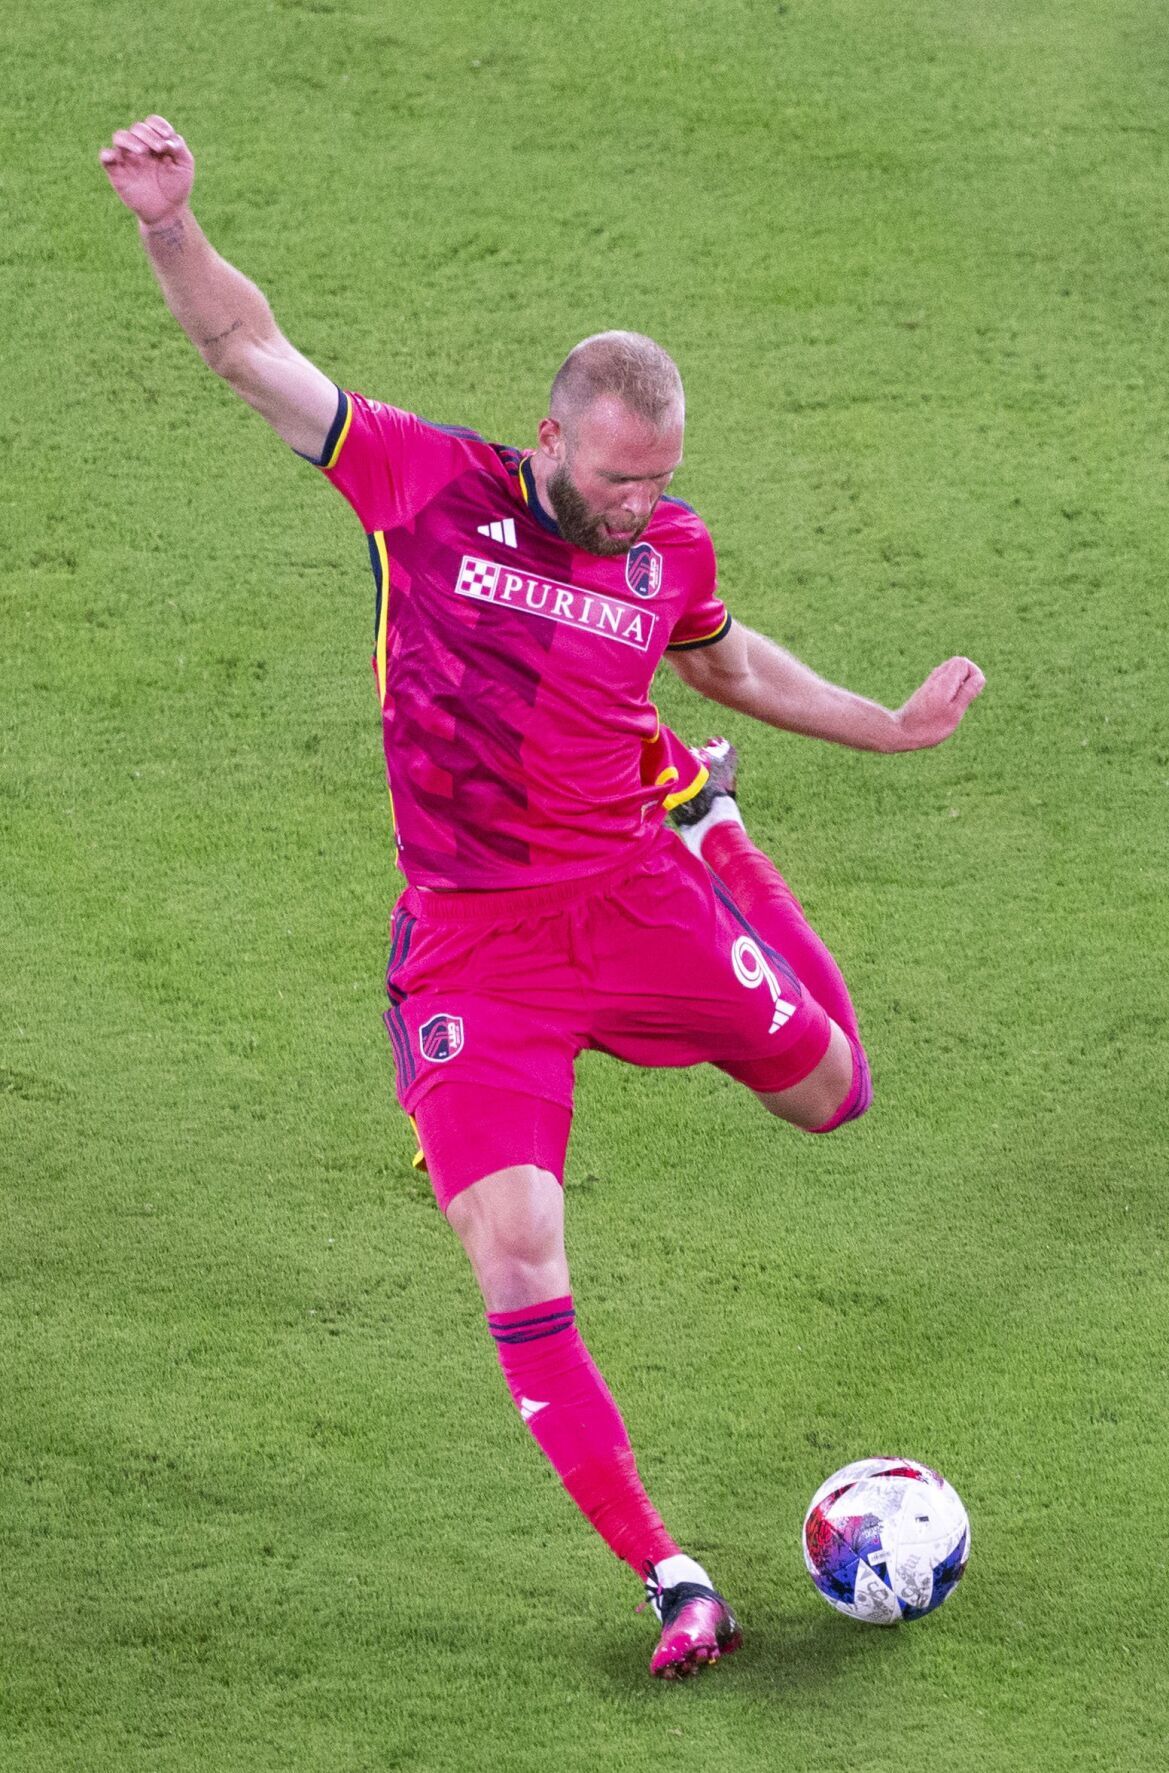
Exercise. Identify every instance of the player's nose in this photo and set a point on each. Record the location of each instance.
(639, 501)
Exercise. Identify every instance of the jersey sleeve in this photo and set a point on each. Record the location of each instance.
(386, 462)
(704, 618)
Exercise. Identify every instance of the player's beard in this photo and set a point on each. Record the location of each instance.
(579, 523)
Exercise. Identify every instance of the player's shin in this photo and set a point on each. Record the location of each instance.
(569, 1410)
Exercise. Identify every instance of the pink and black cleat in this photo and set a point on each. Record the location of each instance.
(722, 763)
(697, 1627)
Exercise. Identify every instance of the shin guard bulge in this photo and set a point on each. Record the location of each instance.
(568, 1408)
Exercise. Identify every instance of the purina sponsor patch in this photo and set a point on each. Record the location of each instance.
(441, 1038)
(488, 581)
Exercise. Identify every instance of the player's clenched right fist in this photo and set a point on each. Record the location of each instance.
(151, 168)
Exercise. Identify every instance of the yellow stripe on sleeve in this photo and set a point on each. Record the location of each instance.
(680, 646)
(340, 443)
(381, 647)
(383, 618)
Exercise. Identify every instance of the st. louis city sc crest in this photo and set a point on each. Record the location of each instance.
(643, 569)
(441, 1038)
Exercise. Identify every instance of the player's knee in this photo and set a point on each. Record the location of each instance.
(512, 1228)
(513, 1216)
(836, 1089)
(527, 1242)
(853, 1094)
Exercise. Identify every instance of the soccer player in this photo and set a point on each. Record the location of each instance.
(524, 598)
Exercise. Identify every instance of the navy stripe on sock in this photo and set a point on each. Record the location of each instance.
(527, 1323)
(531, 1335)
(529, 1327)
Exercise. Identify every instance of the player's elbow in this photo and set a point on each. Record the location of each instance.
(737, 690)
(237, 359)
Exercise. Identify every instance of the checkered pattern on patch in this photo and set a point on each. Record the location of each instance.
(478, 578)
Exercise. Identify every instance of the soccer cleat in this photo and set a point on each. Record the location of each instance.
(697, 1627)
(722, 761)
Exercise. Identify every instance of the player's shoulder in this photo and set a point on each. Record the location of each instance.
(400, 426)
(678, 524)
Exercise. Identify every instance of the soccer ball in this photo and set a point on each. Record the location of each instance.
(886, 1540)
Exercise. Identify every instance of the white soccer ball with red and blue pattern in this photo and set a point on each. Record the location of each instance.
(886, 1540)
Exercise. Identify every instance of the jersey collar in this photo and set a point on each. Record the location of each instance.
(532, 497)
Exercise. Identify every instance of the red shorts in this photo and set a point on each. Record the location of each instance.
(650, 961)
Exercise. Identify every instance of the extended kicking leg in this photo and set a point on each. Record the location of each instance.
(711, 826)
(511, 1224)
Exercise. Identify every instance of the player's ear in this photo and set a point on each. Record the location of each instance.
(550, 438)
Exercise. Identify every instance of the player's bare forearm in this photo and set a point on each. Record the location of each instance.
(222, 313)
(230, 324)
(751, 674)
(759, 678)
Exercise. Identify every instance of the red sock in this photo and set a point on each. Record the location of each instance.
(566, 1405)
(770, 906)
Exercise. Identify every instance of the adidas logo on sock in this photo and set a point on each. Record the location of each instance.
(499, 532)
(530, 1407)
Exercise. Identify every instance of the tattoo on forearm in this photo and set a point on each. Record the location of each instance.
(170, 235)
(218, 338)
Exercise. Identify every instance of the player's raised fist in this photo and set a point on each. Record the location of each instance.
(933, 711)
(151, 168)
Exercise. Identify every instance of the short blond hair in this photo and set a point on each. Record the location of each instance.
(628, 365)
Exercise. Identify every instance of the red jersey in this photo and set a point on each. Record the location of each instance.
(513, 668)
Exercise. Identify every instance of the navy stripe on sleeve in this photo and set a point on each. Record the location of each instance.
(335, 430)
(691, 646)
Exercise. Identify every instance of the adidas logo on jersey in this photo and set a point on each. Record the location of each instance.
(499, 532)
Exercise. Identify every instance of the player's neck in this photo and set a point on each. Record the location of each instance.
(542, 470)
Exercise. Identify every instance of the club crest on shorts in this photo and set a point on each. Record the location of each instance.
(441, 1038)
(643, 569)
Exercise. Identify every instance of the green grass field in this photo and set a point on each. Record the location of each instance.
(264, 1504)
